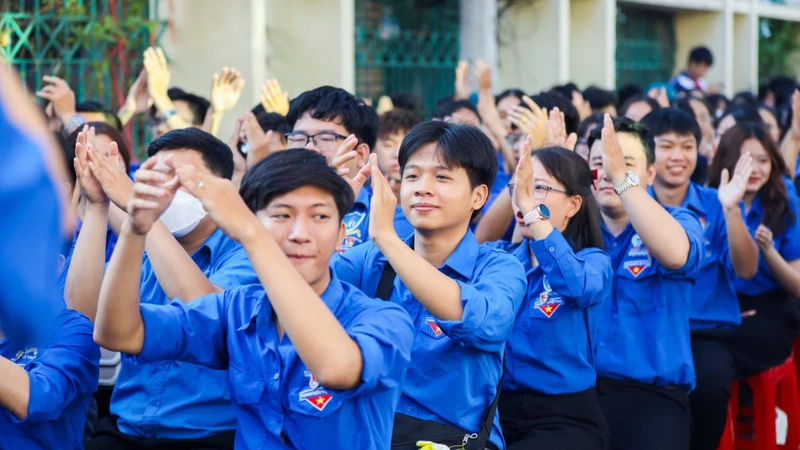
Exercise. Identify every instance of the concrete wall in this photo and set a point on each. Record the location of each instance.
(693, 28)
(592, 45)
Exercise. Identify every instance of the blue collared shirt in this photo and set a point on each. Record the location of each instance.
(713, 303)
(645, 334)
(63, 373)
(180, 400)
(356, 222)
(787, 244)
(551, 348)
(456, 364)
(273, 392)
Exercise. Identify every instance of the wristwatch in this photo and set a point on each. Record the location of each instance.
(539, 213)
(631, 180)
(170, 114)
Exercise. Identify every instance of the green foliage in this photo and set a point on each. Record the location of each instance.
(778, 39)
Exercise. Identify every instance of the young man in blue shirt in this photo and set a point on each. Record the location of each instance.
(312, 361)
(48, 361)
(644, 360)
(462, 296)
(186, 256)
(730, 252)
(322, 119)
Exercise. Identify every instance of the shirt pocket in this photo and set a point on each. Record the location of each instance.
(434, 353)
(246, 389)
(638, 289)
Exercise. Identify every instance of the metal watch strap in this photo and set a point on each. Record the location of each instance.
(627, 184)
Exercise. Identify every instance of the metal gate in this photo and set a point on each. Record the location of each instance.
(645, 46)
(406, 46)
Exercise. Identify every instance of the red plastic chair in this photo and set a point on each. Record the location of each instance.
(728, 439)
(779, 387)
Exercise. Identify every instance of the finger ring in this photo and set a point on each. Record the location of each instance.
(201, 184)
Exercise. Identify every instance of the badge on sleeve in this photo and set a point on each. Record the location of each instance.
(315, 395)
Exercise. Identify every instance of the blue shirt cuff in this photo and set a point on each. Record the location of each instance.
(551, 248)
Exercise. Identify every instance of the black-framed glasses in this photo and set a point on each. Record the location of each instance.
(539, 192)
(326, 140)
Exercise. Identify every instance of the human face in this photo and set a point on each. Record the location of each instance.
(436, 198)
(562, 206)
(676, 159)
(725, 124)
(102, 144)
(387, 149)
(306, 225)
(771, 125)
(311, 126)
(762, 165)
(703, 119)
(194, 158)
(638, 110)
(505, 106)
(635, 160)
(464, 116)
(698, 69)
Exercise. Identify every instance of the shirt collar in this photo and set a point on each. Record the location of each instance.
(364, 197)
(214, 242)
(523, 254)
(262, 309)
(463, 258)
(692, 200)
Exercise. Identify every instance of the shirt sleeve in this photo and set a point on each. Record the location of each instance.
(349, 266)
(579, 278)
(722, 244)
(68, 369)
(233, 270)
(789, 243)
(694, 232)
(192, 332)
(384, 334)
(490, 303)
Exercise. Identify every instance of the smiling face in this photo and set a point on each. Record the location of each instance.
(435, 197)
(762, 165)
(635, 160)
(676, 159)
(306, 225)
(562, 207)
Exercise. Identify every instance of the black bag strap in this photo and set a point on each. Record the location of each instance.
(482, 440)
(386, 283)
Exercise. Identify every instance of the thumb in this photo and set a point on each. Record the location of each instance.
(724, 177)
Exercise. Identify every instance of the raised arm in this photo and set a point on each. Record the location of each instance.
(155, 63)
(787, 273)
(226, 89)
(743, 249)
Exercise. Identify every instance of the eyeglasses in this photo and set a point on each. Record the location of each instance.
(322, 141)
(539, 192)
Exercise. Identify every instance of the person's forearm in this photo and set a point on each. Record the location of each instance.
(116, 217)
(438, 293)
(743, 249)
(788, 277)
(496, 220)
(15, 389)
(790, 149)
(216, 120)
(119, 324)
(175, 122)
(126, 113)
(323, 344)
(661, 233)
(176, 271)
(88, 262)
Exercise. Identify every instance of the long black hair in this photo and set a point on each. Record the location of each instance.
(570, 169)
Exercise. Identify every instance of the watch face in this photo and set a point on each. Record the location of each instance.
(544, 211)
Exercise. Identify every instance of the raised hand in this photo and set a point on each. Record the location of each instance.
(531, 122)
(660, 96)
(584, 110)
(382, 205)
(345, 154)
(764, 238)
(226, 89)
(523, 180)
(385, 104)
(462, 86)
(484, 75)
(260, 143)
(61, 97)
(90, 186)
(153, 192)
(155, 64)
(273, 99)
(613, 160)
(557, 131)
(222, 201)
(109, 171)
(731, 190)
(138, 99)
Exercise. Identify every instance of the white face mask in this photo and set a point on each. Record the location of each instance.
(183, 214)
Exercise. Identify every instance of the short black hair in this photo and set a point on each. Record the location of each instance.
(216, 154)
(595, 120)
(670, 120)
(628, 126)
(685, 105)
(552, 100)
(288, 170)
(629, 91)
(566, 89)
(654, 105)
(451, 106)
(517, 93)
(458, 146)
(407, 101)
(701, 54)
(599, 98)
(197, 104)
(273, 122)
(746, 97)
(94, 106)
(337, 105)
(741, 112)
(397, 120)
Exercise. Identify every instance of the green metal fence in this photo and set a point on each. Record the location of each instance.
(645, 46)
(406, 46)
(95, 45)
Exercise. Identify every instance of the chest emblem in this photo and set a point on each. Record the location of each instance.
(549, 301)
(315, 395)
